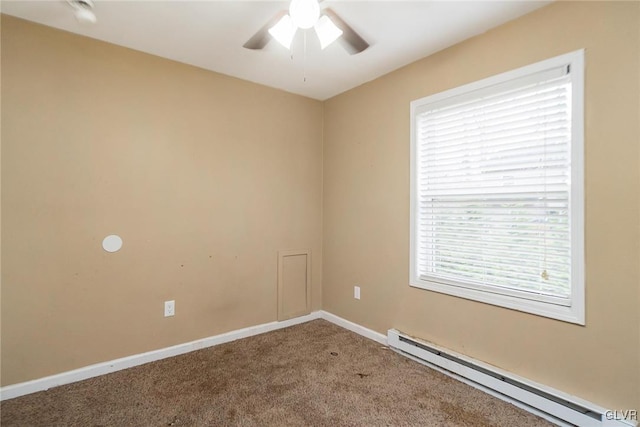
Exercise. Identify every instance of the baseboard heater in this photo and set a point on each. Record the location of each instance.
(534, 396)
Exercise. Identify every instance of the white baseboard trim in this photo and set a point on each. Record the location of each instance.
(21, 389)
(86, 372)
(354, 327)
(40, 384)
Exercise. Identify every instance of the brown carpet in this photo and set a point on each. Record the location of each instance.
(313, 374)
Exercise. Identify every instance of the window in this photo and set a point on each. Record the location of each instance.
(497, 190)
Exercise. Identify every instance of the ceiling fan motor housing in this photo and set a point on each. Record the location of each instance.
(304, 13)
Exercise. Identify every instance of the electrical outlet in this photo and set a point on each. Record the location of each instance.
(169, 308)
(356, 292)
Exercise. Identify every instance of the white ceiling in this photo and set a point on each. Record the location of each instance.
(210, 35)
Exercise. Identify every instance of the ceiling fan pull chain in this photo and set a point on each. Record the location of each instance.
(304, 58)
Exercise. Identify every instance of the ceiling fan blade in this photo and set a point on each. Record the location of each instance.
(350, 40)
(260, 39)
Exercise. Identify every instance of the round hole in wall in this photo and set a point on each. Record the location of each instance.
(112, 243)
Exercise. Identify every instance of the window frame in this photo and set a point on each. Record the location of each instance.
(574, 312)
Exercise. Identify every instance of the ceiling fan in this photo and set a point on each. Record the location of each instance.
(305, 14)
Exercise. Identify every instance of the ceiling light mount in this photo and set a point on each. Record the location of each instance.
(83, 11)
(304, 13)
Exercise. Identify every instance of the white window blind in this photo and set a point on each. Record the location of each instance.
(493, 188)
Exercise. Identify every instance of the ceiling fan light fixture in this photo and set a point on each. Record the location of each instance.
(284, 31)
(304, 13)
(83, 11)
(327, 31)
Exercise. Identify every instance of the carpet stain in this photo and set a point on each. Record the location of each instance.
(231, 414)
(280, 389)
(213, 387)
(463, 416)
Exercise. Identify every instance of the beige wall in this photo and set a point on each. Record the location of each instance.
(204, 176)
(366, 206)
